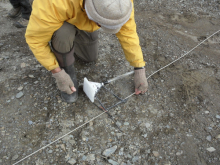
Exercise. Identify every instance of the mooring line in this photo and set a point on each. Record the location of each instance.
(124, 99)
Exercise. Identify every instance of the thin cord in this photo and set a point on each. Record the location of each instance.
(183, 55)
(124, 99)
(58, 139)
(176, 60)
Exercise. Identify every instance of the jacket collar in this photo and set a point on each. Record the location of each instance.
(81, 2)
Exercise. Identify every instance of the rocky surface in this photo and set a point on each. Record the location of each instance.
(176, 122)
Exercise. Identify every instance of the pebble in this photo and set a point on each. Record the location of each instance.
(206, 112)
(14, 157)
(31, 76)
(145, 135)
(19, 95)
(20, 88)
(109, 151)
(84, 158)
(30, 122)
(118, 123)
(147, 125)
(119, 134)
(90, 157)
(0, 161)
(72, 161)
(50, 151)
(135, 159)
(171, 115)
(209, 138)
(113, 162)
(121, 151)
(179, 153)
(23, 65)
(211, 149)
(126, 123)
(156, 154)
(218, 137)
(62, 146)
(217, 116)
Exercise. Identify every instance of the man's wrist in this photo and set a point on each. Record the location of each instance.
(137, 68)
(56, 70)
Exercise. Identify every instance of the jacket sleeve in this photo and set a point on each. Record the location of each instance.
(129, 41)
(45, 19)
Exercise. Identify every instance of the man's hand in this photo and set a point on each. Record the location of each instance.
(63, 80)
(140, 81)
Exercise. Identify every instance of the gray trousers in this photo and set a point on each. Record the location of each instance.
(69, 40)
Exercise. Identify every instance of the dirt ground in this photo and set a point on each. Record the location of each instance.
(176, 122)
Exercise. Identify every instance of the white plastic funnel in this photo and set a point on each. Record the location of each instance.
(91, 88)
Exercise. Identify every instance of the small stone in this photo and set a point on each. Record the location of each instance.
(121, 151)
(211, 149)
(135, 159)
(206, 112)
(14, 157)
(23, 65)
(31, 76)
(109, 151)
(50, 151)
(19, 95)
(119, 134)
(113, 162)
(147, 125)
(84, 158)
(90, 123)
(62, 146)
(20, 88)
(39, 162)
(171, 115)
(72, 142)
(36, 82)
(90, 157)
(209, 138)
(217, 116)
(126, 123)
(0, 161)
(145, 135)
(72, 161)
(218, 137)
(156, 154)
(30, 122)
(179, 153)
(118, 123)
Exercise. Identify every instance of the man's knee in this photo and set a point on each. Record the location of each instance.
(86, 46)
(63, 38)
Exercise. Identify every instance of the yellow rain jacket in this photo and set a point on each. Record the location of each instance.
(48, 16)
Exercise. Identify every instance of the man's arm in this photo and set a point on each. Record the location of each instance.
(130, 43)
(47, 17)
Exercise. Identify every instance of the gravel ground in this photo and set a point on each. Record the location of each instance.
(176, 122)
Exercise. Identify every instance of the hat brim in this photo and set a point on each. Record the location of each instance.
(110, 31)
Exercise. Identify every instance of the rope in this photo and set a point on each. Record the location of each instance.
(124, 99)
